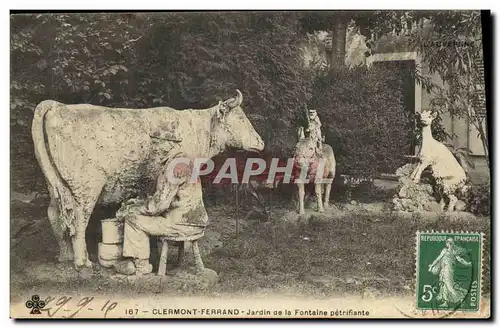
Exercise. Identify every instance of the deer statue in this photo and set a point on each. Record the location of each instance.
(306, 157)
(449, 175)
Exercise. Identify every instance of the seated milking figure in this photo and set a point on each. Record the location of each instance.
(314, 130)
(176, 211)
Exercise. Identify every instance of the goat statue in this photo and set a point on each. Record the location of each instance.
(449, 176)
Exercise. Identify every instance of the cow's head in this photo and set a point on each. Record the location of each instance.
(231, 128)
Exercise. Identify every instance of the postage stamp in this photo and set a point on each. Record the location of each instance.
(449, 270)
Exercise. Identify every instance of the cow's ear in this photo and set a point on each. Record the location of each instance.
(227, 105)
(222, 110)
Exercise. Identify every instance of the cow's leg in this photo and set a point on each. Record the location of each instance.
(300, 195)
(328, 188)
(65, 250)
(82, 216)
(318, 188)
(78, 239)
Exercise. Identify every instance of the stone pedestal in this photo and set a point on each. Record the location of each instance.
(416, 197)
(413, 197)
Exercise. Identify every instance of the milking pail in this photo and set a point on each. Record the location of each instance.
(112, 231)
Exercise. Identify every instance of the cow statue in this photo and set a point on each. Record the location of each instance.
(306, 158)
(449, 176)
(98, 155)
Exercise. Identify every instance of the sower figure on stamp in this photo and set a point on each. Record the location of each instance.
(314, 130)
(176, 210)
(444, 266)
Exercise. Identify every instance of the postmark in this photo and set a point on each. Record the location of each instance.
(449, 271)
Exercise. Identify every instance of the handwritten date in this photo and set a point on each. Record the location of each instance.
(65, 304)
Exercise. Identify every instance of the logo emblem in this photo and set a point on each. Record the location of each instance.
(35, 304)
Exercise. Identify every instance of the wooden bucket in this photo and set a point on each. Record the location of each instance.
(109, 254)
(112, 231)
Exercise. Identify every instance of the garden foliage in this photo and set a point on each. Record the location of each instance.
(367, 118)
(180, 60)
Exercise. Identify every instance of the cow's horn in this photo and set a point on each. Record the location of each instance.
(236, 102)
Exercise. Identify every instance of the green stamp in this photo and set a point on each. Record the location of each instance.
(449, 271)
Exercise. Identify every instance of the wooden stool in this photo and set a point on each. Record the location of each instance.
(163, 245)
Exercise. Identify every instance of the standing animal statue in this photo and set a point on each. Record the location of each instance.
(307, 158)
(449, 176)
(92, 154)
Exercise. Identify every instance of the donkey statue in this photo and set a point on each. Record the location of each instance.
(306, 159)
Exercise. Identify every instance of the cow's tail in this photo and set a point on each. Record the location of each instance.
(59, 191)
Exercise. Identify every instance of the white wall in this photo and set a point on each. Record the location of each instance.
(466, 135)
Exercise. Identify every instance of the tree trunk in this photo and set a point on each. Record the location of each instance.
(484, 138)
(477, 122)
(339, 34)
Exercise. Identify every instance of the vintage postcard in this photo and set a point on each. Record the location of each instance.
(253, 164)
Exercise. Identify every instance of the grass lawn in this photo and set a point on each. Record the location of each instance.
(348, 255)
